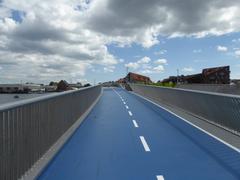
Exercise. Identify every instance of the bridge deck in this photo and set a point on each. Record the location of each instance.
(109, 145)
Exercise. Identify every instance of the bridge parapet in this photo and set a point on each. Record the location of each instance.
(28, 129)
(220, 109)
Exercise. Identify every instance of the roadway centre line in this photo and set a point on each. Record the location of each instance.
(120, 97)
(135, 123)
(144, 143)
(130, 113)
(160, 177)
(117, 93)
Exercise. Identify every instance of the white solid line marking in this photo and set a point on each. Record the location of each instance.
(135, 124)
(208, 133)
(160, 178)
(130, 113)
(145, 145)
(127, 107)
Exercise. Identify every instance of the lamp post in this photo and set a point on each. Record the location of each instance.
(177, 75)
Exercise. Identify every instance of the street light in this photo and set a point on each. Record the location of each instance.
(177, 75)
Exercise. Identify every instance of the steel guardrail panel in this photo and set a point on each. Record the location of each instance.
(29, 128)
(222, 109)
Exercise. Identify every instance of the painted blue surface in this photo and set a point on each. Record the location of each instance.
(107, 146)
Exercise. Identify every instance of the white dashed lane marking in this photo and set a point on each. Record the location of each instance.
(130, 113)
(144, 143)
(135, 124)
(160, 177)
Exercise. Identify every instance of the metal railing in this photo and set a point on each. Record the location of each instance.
(219, 109)
(217, 88)
(30, 127)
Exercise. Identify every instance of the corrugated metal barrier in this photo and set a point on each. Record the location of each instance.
(220, 109)
(29, 128)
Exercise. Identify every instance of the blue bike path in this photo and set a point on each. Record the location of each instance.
(127, 138)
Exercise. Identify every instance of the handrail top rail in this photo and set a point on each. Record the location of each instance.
(11, 105)
(194, 91)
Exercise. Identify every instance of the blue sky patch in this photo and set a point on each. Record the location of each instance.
(17, 15)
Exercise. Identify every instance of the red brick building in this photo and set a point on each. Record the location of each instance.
(63, 86)
(137, 78)
(216, 75)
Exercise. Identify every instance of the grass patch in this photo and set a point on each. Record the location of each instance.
(170, 84)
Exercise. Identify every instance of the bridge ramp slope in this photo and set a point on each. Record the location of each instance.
(124, 138)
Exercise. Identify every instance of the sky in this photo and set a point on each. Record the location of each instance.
(100, 40)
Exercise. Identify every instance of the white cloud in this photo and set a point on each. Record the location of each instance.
(58, 37)
(237, 53)
(222, 48)
(161, 52)
(144, 60)
(53, 37)
(109, 69)
(197, 50)
(144, 66)
(83, 81)
(153, 70)
(133, 65)
(121, 60)
(188, 69)
(236, 40)
(142, 21)
(140, 63)
(158, 69)
(161, 61)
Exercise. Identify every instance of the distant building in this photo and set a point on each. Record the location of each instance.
(137, 78)
(76, 86)
(87, 85)
(20, 88)
(216, 75)
(63, 86)
(50, 88)
(121, 81)
(191, 79)
(52, 83)
(110, 84)
(172, 79)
